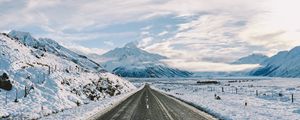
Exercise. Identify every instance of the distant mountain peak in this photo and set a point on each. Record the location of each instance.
(24, 37)
(283, 64)
(131, 51)
(131, 61)
(21, 33)
(255, 58)
(27, 39)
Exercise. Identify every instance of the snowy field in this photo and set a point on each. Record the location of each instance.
(241, 98)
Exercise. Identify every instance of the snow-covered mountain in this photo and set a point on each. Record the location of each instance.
(283, 64)
(131, 61)
(252, 59)
(39, 77)
(51, 46)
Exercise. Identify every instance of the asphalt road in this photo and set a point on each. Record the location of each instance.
(148, 104)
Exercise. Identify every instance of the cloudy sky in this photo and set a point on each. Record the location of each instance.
(198, 35)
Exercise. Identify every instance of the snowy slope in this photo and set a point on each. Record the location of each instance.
(47, 78)
(283, 64)
(252, 59)
(50, 46)
(131, 61)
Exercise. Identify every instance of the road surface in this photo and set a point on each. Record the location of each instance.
(148, 104)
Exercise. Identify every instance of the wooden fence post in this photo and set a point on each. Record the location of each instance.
(6, 98)
(25, 95)
(256, 92)
(16, 100)
(222, 89)
(292, 98)
(49, 70)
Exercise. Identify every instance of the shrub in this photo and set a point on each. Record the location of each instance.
(75, 61)
(67, 70)
(280, 94)
(4, 82)
(207, 82)
(4, 76)
(218, 98)
(78, 103)
(82, 56)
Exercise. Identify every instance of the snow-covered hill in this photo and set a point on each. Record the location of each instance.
(252, 59)
(46, 78)
(50, 46)
(131, 61)
(283, 64)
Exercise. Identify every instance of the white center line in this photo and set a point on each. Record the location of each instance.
(147, 102)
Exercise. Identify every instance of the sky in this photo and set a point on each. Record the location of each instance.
(196, 35)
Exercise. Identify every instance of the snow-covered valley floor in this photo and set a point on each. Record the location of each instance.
(241, 98)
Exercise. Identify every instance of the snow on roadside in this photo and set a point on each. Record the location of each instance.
(273, 100)
(89, 110)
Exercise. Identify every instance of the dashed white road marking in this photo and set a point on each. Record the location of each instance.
(147, 105)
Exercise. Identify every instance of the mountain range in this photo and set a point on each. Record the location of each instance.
(283, 64)
(131, 61)
(252, 59)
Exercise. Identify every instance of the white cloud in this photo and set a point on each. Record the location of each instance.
(34, 4)
(205, 43)
(163, 33)
(214, 30)
(201, 66)
(109, 43)
(66, 37)
(231, 31)
(145, 33)
(80, 15)
(145, 42)
(204, 38)
(147, 27)
(86, 50)
(277, 28)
